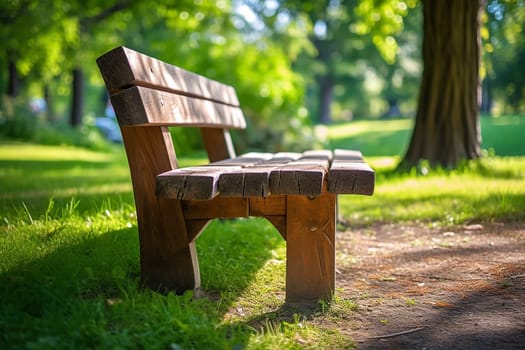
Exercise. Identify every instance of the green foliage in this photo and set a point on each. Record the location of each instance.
(504, 50)
(186, 140)
(16, 120)
(351, 41)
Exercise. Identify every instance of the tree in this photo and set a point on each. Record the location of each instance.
(89, 14)
(447, 126)
(504, 53)
(28, 32)
(343, 33)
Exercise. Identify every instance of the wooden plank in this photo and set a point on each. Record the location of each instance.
(144, 106)
(195, 228)
(310, 248)
(198, 183)
(231, 186)
(218, 144)
(217, 207)
(253, 180)
(123, 67)
(279, 222)
(267, 206)
(349, 174)
(168, 258)
(201, 182)
(304, 176)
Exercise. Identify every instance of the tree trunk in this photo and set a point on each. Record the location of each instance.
(50, 105)
(326, 87)
(13, 84)
(447, 126)
(77, 103)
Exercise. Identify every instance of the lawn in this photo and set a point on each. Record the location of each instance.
(69, 247)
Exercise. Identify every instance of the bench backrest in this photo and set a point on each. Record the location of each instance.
(145, 90)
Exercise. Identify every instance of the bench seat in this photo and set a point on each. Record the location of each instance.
(262, 174)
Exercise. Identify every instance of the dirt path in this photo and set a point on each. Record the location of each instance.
(419, 287)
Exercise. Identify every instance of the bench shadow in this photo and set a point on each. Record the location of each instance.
(96, 281)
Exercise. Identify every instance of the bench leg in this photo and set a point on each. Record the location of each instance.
(310, 248)
(168, 259)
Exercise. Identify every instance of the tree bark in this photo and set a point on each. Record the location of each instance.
(326, 91)
(77, 103)
(447, 128)
(13, 84)
(50, 105)
(486, 96)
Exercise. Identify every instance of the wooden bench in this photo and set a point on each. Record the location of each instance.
(296, 192)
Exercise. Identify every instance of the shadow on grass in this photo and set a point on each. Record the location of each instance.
(87, 294)
(24, 176)
(375, 143)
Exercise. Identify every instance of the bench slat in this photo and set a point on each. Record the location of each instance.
(140, 105)
(190, 183)
(123, 67)
(254, 180)
(201, 182)
(304, 176)
(349, 174)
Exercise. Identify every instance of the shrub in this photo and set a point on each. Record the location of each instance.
(16, 120)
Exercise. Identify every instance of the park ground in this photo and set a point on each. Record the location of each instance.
(418, 287)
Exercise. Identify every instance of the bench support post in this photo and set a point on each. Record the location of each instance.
(218, 143)
(310, 248)
(168, 258)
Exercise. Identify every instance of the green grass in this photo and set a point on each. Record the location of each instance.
(379, 138)
(491, 189)
(69, 255)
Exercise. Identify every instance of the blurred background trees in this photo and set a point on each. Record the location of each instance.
(294, 63)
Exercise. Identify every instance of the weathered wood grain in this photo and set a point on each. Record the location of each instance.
(123, 67)
(144, 106)
(304, 176)
(218, 143)
(349, 174)
(168, 258)
(253, 180)
(217, 207)
(200, 182)
(310, 248)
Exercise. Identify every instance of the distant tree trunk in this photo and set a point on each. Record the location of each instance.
(486, 96)
(50, 106)
(447, 126)
(326, 91)
(13, 84)
(77, 103)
